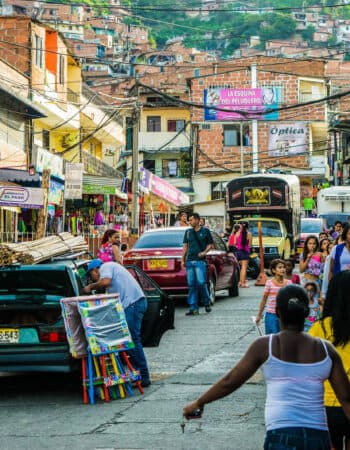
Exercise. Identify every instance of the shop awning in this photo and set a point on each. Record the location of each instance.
(21, 177)
(93, 184)
(151, 183)
(20, 196)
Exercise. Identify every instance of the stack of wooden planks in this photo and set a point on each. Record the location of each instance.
(33, 252)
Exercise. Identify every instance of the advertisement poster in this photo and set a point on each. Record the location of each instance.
(241, 104)
(286, 139)
(74, 181)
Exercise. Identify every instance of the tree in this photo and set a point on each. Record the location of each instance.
(308, 33)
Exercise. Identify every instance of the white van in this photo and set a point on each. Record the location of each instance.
(333, 204)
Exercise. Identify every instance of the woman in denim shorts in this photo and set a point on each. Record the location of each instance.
(294, 365)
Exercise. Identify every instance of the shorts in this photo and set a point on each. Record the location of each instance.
(338, 424)
(272, 323)
(297, 438)
(242, 255)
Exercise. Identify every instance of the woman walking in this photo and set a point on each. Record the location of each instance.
(294, 366)
(340, 255)
(243, 242)
(335, 327)
(109, 250)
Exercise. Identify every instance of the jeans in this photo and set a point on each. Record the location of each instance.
(197, 283)
(272, 323)
(134, 315)
(297, 438)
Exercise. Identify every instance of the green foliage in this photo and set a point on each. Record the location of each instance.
(185, 165)
(308, 33)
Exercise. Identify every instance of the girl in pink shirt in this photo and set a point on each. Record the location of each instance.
(272, 286)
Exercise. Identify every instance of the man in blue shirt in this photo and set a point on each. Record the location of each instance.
(197, 243)
(116, 279)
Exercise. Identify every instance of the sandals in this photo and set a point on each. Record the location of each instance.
(243, 285)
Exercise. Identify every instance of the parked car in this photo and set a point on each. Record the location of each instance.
(158, 252)
(32, 333)
(309, 226)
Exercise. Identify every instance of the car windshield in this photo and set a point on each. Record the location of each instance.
(331, 218)
(35, 283)
(311, 226)
(268, 228)
(163, 239)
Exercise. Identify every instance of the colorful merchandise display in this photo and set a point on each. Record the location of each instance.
(98, 333)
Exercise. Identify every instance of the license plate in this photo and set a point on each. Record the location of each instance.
(9, 336)
(158, 264)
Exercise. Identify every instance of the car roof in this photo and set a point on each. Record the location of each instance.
(164, 229)
(37, 267)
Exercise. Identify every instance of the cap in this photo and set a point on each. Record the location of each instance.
(94, 264)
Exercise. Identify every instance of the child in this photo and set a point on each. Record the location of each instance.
(311, 288)
(272, 286)
(293, 277)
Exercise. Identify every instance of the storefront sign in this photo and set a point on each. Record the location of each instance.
(151, 183)
(74, 181)
(104, 190)
(46, 160)
(21, 197)
(287, 139)
(246, 103)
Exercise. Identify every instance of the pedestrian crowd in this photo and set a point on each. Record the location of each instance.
(305, 355)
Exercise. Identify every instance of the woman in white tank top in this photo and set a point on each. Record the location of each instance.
(295, 365)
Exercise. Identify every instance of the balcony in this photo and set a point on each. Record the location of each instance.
(95, 166)
(152, 142)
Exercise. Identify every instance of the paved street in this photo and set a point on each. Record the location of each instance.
(48, 413)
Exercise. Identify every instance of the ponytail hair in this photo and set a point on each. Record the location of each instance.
(245, 226)
(108, 234)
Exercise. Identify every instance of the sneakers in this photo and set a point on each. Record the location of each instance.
(207, 309)
(195, 312)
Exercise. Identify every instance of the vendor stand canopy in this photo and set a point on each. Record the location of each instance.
(103, 185)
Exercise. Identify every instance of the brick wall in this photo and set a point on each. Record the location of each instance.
(15, 43)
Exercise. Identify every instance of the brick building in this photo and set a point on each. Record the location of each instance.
(291, 138)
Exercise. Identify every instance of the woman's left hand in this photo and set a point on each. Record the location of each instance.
(190, 408)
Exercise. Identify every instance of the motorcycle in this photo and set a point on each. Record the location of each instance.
(253, 268)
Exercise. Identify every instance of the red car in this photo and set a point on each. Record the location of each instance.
(158, 253)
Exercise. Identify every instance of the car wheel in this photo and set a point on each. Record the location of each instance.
(253, 269)
(233, 291)
(211, 288)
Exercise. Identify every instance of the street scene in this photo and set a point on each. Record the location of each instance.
(47, 411)
(175, 224)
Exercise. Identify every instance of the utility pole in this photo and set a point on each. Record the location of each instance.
(255, 155)
(42, 215)
(135, 166)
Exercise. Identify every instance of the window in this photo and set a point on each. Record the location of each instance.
(153, 123)
(176, 125)
(169, 168)
(61, 70)
(232, 135)
(150, 164)
(218, 189)
(129, 140)
(46, 139)
(38, 56)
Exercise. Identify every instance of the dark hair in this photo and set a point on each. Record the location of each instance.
(337, 306)
(124, 247)
(305, 250)
(345, 232)
(245, 226)
(108, 234)
(313, 284)
(274, 263)
(321, 242)
(195, 216)
(290, 260)
(337, 222)
(236, 227)
(292, 305)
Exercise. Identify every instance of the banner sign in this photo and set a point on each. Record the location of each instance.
(287, 139)
(46, 160)
(21, 197)
(74, 181)
(56, 192)
(149, 182)
(246, 103)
